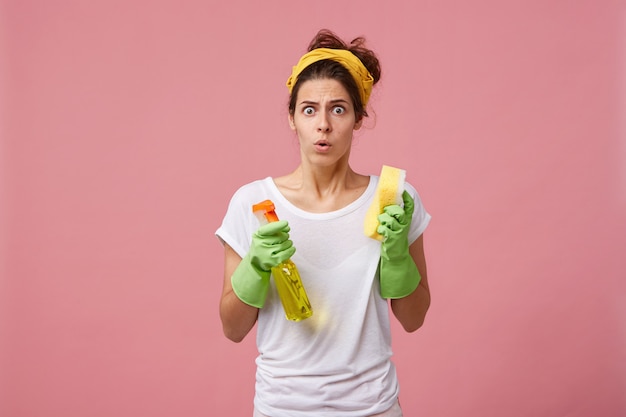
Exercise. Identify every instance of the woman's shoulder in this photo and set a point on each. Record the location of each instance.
(246, 196)
(253, 189)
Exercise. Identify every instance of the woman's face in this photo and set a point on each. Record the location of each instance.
(324, 121)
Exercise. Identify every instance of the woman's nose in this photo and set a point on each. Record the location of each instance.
(324, 124)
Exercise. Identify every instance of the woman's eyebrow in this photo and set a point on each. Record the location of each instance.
(333, 101)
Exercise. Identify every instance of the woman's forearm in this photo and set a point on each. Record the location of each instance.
(411, 310)
(238, 318)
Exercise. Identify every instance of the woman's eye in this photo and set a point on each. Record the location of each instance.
(338, 110)
(308, 110)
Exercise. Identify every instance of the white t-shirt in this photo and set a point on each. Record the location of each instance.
(338, 361)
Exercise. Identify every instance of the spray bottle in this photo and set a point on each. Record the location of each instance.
(288, 283)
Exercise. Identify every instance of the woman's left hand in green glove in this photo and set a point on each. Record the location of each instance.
(399, 275)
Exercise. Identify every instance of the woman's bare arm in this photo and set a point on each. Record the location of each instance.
(238, 318)
(411, 310)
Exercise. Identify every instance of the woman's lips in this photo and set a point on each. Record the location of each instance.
(322, 146)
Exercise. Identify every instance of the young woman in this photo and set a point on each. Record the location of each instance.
(337, 362)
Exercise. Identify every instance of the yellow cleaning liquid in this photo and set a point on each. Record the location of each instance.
(291, 291)
(286, 277)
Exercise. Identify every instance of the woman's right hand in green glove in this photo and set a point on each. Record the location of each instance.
(270, 247)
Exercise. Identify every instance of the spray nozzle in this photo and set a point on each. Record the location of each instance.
(264, 211)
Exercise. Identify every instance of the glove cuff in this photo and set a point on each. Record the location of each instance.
(398, 278)
(250, 284)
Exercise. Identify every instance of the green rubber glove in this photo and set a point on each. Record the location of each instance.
(270, 247)
(399, 275)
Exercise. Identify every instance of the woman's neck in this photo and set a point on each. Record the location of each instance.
(322, 189)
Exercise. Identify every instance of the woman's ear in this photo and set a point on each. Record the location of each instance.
(358, 124)
(291, 123)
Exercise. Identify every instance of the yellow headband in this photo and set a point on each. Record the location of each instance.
(361, 75)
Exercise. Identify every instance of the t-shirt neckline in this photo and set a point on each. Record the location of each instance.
(364, 197)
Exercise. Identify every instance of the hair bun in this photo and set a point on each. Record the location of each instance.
(328, 39)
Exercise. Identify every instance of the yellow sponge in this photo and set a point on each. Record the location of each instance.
(389, 191)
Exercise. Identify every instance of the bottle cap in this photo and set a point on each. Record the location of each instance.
(266, 208)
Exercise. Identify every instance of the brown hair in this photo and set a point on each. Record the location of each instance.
(329, 69)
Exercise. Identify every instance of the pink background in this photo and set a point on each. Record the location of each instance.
(127, 125)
